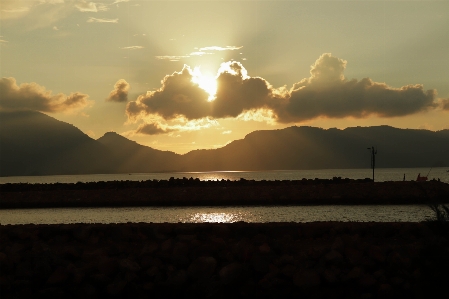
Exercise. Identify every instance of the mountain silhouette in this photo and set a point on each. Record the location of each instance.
(129, 156)
(32, 143)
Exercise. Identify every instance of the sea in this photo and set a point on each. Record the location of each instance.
(260, 214)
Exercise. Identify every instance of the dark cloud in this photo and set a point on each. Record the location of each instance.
(236, 92)
(178, 96)
(326, 93)
(120, 92)
(31, 96)
(152, 129)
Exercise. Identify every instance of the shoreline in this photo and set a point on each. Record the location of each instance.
(193, 192)
(261, 260)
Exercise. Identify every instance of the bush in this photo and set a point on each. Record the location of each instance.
(441, 212)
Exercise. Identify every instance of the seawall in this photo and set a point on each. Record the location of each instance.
(190, 192)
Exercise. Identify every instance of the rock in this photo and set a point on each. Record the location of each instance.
(244, 250)
(396, 280)
(307, 279)
(59, 276)
(201, 268)
(264, 248)
(107, 266)
(333, 256)
(177, 278)
(166, 246)
(376, 253)
(355, 274)
(367, 281)
(260, 263)
(329, 276)
(129, 265)
(384, 290)
(352, 255)
(116, 288)
(338, 244)
(234, 273)
(150, 248)
(288, 270)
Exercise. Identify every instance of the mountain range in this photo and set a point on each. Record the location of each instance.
(32, 143)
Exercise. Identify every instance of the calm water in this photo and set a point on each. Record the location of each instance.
(396, 213)
(381, 174)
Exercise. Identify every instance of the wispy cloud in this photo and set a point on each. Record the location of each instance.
(95, 20)
(132, 48)
(226, 132)
(2, 40)
(119, 1)
(17, 9)
(85, 6)
(200, 53)
(217, 48)
(171, 58)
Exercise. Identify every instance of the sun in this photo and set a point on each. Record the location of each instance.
(206, 82)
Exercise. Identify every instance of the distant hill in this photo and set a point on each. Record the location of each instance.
(315, 148)
(32, 143)
(129, 156)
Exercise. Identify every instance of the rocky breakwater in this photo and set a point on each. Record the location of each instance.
(191, 192)
(238, 260)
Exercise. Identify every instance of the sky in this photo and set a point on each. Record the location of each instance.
(186, 75)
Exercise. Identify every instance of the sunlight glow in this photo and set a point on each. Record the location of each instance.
(206, 82)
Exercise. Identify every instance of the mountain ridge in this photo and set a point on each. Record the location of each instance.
(32, 143)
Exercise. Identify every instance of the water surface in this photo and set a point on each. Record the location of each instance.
(260, 214)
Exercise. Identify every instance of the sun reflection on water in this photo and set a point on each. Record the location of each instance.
(216, 217)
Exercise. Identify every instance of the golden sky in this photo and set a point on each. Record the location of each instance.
(185, 75)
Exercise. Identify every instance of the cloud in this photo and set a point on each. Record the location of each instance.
(120, 92)
(444, 103)
(119, 1)
(85, 6)
(200, 53)
(132, 48)
(178, 96)
(155, 126)
(171, 58)
(226, 132)
(326, 93)
(217, 48)
(152, 129)
(31, 96)
(95, 20)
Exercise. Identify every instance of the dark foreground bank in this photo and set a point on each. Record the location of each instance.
(239, 260)
(193, 192)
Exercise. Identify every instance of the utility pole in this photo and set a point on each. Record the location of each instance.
(373, 158)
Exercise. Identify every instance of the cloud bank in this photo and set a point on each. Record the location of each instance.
(326, 93)
(31, 96)
(120, 92)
